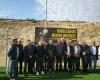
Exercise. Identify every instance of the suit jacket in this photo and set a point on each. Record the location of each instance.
(91, 53)
(71, 50)
(59, 49)
(78, 53)
(40, 52)
(97, 52)
(21, 54)
(27, 52)
(34, 50)
(84, 48)
(50, 51)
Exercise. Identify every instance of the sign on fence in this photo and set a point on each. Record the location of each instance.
(56, 33)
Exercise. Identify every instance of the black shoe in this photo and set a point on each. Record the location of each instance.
(25, 74)
(20, 72)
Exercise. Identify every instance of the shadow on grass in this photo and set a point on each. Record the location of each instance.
(52, 76)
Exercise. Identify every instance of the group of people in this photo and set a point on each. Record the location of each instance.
(43, 57)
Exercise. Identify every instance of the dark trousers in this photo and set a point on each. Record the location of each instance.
(20, 65)
(94, 63)
(50, 64)
(84, 63)
(45, 63)
(59, 63)
(40, 64)
(65, 63)
(76, 63)
(89, 62)
(29, 63)
(70, 63)
(32, 62)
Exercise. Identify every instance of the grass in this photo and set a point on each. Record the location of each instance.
(57, 76)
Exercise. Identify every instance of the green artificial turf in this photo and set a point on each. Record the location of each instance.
(56, 76)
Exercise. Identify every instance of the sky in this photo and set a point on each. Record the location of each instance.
(57, 10)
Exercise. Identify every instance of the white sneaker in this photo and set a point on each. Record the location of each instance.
(37, 73)
(42, 73)
(12, 79)
(49, 70)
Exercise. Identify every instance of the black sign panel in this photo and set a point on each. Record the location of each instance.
(56, 33)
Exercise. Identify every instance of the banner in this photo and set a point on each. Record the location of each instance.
(56, 33)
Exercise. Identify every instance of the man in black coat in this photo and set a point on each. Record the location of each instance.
(45, 55)
(68, 56)
(21, 55)
(40, 58)
(63, 42)
(51, 52)
(13, 54)
(76, 57)
(84, 52)
(28, 56)
(59, 55)
(94, 52)
(89, 57)
(34, 50)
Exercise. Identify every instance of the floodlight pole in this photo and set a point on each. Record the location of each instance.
(46, 18)
(46, 15)
(7, 53)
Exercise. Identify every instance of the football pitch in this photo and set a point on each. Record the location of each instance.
(56, 76)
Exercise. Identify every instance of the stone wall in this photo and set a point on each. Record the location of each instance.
(26, 30)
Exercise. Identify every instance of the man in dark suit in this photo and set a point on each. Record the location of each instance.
(45, 55)
(76, 57)
(90, 56)
(59, 55)
(68, 50)
(84, 53)
(63, 42)
(33, 60)
(40, 58)
(28, 54)
(51, 52)
(94, 52)
(21, 55)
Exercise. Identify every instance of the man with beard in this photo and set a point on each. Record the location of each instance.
(13, 55)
